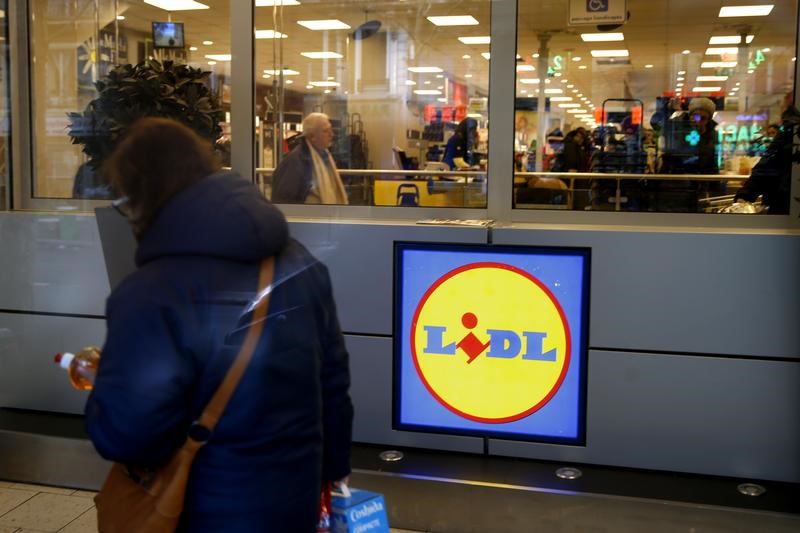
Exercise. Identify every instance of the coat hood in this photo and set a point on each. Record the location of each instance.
(222, 216)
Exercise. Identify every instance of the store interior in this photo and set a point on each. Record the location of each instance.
(396, 77)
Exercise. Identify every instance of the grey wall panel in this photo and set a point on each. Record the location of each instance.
(371, 389)
(51, 263)
(713, 293)
(360, 258)
(709, 415)
(29, 378)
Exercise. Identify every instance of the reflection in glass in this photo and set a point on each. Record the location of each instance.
(75, 45)
(394, 81)
(657, 112)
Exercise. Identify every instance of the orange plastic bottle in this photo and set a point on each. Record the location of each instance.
(81, 366)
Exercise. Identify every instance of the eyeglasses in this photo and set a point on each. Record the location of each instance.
(121, 206)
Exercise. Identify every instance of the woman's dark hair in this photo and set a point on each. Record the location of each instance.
(156, 159)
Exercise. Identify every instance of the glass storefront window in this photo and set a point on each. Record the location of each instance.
(403, 87)
(74, 44)
(653, 108)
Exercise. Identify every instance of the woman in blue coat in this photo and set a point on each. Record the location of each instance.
(176, 324)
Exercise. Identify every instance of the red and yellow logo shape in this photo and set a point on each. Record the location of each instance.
(490, 342)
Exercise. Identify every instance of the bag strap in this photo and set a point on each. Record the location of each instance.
(213, 411)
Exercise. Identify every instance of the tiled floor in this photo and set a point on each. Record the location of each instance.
(39, 509)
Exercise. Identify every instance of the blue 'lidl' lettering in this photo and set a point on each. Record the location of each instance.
(534, 342)
(503, 344)
(434, 344)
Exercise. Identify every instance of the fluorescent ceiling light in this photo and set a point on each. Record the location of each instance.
(486, 55)
(576, 111)
(271, 3)
(427, 92)
(483, 39)
(526, 68)
(602, 37)
(219, 57)
(321, 55)
(706, 89)
(610, 53)
(324, 83)
(410, 82)
(270, 34)
(529, 81)
(718, 64)
(582, 67)
(327, 24)
(212, 63)
(561, 99)
(425, 70)
(208, 43)
(193, 49)
(730, 51)
(746, 11)
(286, 72)
(456, 20)
(176, 5)
(119, 17)
(553, 91)
(568, 105)
(288, 82)
(712, 78)
(467, 75)
(729, 39)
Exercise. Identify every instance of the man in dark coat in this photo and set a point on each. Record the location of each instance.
(308, 173)
(174, 328)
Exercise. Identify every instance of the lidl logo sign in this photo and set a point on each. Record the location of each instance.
(488, 340)
(500, 358)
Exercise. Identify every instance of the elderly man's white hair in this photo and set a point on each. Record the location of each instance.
(313, 123)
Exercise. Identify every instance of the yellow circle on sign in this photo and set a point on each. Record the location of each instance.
(490, 342)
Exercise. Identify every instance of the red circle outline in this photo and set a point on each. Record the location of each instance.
(548, 293)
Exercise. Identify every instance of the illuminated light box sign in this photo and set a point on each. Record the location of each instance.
(491, 341)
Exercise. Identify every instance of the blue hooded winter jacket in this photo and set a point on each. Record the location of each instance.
(175, 326)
